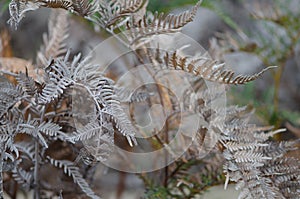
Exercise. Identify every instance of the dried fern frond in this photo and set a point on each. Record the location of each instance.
(122, 8)
(98, 139)
(101, 144)
(73, 171)
(284, 173)
(59, 80)
(55, 41)
(26, 149)
(253, 161)
(10, 95)
(27, 83)
(159, 24)
(104, 93)
(85, 7)
(201, 66)
(17, 9)
(87, 131)
(64, 4)
(24, 178)
(52, 130)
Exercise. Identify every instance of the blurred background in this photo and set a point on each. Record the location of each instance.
(247, 35)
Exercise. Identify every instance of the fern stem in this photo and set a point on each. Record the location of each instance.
(36, 163)
(36, 171)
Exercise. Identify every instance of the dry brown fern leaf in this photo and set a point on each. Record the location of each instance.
(64, 4)
(80, 7)
(85, 7)
(159, 24)
(122, 8)
(201, 66)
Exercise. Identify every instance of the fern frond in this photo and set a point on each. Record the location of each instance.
(17, 9)
(26, 149)
(23, 177)
(159, 24)
(85, 7)
(64, 4)
(101, 145)
(60, 79)
(278, 149)
(10, 95)
(52, 129)
(122, 8)
(104, 93)
(27, 83)
(4, 134)
(237, 146)
(203, 67)
(55, 41)
(71, 170)
(86, 132)
(255, 163)
(249, 156)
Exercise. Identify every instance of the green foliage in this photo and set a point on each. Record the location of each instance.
(5, 6)
(168, 5)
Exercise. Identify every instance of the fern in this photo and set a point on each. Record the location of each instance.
(202, 67)
(17, 9)
(159, 24)
(59, 80)
(27, 83)
(122, 8)
(64, 4)
(10, 95)
(85, 7)
(36, 113)
(23, 177)
(71, 170)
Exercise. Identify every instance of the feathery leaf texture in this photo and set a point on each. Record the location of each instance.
(23, 177)
(17, 9)
(71, 170)
(59, 80)
(85, 7)
(27, 83)
(105, 95)
(159, 24)
(64, 4)
(201, 66)
(119, 9)
(10, 95)
(101, 144)
(256, 163)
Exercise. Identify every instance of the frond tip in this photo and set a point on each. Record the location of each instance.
(159, 24)
(71, 170)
